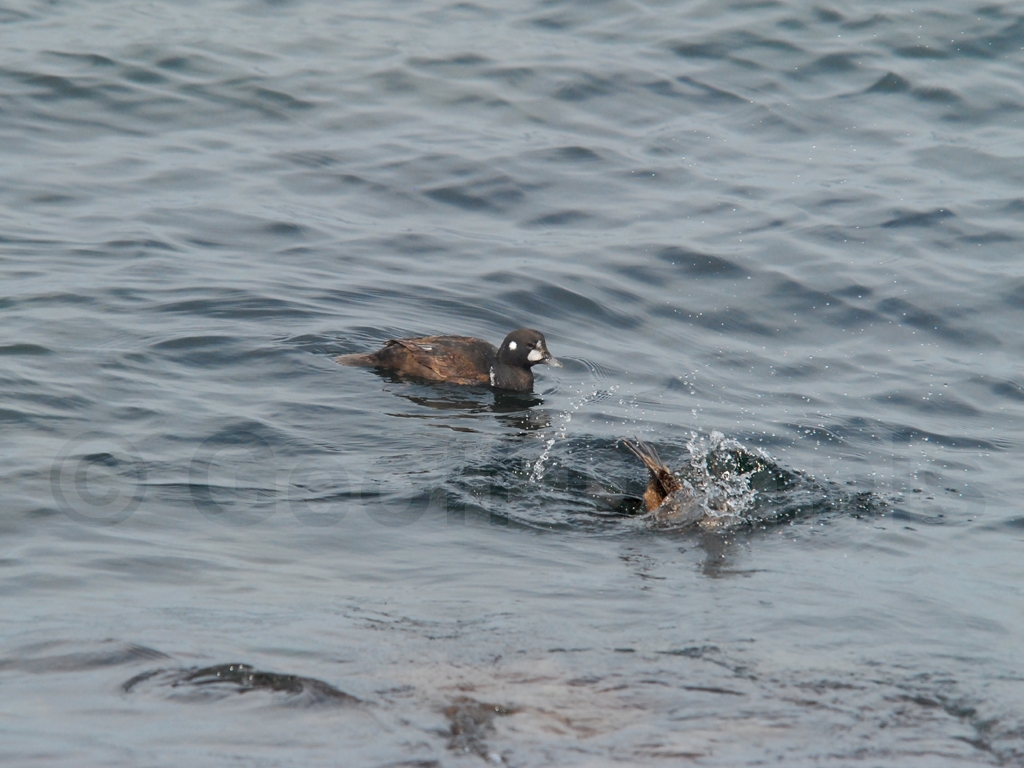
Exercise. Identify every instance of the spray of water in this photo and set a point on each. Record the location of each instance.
(716, 479)
(715, 468)
(539, 466)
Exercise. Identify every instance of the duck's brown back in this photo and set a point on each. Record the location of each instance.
(455, 359)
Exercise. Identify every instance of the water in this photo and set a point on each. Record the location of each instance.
(790, 223)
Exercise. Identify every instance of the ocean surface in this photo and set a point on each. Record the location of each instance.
(780, 241)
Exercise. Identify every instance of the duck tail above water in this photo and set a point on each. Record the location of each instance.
(646, 454)
(663, 482)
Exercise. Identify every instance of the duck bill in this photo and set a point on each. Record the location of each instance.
(552, 362)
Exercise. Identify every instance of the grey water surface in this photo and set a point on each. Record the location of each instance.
(789, 228)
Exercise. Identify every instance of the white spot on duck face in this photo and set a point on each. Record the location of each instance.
(512, 345)
(536, 355)
(492, 373)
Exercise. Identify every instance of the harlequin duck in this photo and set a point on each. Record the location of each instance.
(669, 499)
(463, 359)
(663, 483)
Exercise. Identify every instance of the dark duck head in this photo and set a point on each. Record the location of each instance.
(518, 353)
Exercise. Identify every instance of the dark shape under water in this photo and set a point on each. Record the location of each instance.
(471, 722)
(463, 360)
(223, 679)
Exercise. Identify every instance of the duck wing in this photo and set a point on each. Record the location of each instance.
(455, 359)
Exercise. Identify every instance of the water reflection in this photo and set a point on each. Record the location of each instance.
(512, 409)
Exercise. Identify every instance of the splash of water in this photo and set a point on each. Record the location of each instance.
(564, 418)
(716, 479)
(719, 474)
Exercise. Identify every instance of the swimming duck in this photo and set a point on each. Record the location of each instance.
(463, 359)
